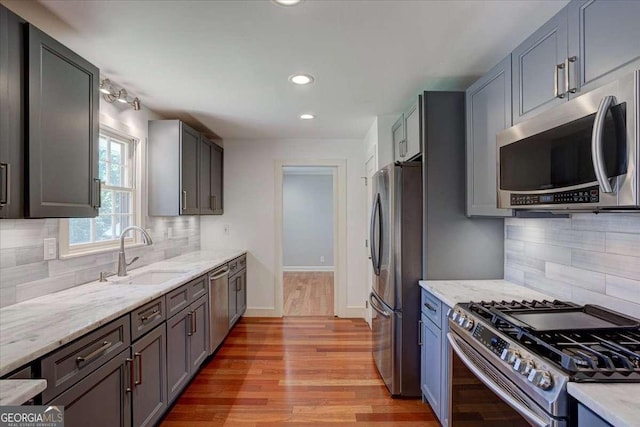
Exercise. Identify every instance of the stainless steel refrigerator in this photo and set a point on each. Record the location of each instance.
(396, 255)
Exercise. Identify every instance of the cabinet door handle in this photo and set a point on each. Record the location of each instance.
(195, 322)
(419, 332)
(556, 82)
(190, 316)
(89, 357)
(132, 379)
(572, 60)
(212, 202)
(5, 175)
(139, 357)
(98, 193)
(184, 199)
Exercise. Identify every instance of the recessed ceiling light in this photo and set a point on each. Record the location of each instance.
(287, 2)
(301, 79)
(307, 116)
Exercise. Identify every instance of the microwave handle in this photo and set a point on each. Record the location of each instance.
(597, 156)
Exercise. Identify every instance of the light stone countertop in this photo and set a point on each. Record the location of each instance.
(17, 392)
(33, 328)
(618, 404)
(452, 292)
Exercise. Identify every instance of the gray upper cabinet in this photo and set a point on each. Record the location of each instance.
(406, 133)
(488, 103)
(604, 39)
(185, 171)
(538, 69)
(413, 125)
(48, 126)
(397, 133)
(11, 117)
(210, 178)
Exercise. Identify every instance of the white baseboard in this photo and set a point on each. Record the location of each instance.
(261, 312)
(308, 268)
(353, 313)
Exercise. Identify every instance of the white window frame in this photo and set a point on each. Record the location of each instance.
(69, 251)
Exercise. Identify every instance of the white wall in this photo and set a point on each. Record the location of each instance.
(307, 221)
(249, 184)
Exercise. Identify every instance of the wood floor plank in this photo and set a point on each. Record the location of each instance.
(308, 293)
(278, 372)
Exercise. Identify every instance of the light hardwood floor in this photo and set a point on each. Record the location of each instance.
(294, 371)
(308, 293)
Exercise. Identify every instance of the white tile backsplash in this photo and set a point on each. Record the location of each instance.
(25, 275)
(587, 258)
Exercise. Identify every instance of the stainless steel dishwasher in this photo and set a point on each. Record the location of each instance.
(218, 306)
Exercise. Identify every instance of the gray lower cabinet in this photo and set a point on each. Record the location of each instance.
(237, 296)
(187, 345)
(537, 68)
(102, 399)
(588, 418)
(488, 104)
(434, 355)
(149, 395)
(48, 126)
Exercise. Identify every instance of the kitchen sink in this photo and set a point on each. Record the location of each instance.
(149, 278)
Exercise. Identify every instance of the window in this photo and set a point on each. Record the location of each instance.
(119, 201)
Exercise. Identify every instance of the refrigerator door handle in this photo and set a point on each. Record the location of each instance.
(375, 244)
(375, 305)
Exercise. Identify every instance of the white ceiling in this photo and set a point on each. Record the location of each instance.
(225, 64)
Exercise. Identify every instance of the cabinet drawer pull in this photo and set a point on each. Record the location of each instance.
(430, 307)
(132, 374)
(5, 175)
(150, 315)
(190, 316)
(139, 357)
(556, 82)
(105, 345)
(184, 199)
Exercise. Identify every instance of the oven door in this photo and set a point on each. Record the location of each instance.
(581, 155)
(480, 395)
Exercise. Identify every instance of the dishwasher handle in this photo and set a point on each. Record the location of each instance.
(219, 274)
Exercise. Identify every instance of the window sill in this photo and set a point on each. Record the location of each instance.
(98, 251)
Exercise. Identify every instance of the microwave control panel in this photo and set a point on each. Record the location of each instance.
(584, 195)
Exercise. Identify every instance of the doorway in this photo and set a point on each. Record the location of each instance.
(308, 240)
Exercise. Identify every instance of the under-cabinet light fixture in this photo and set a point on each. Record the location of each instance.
(111, 95)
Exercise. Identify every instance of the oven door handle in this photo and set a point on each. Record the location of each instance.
(597, 155)
(522, 410)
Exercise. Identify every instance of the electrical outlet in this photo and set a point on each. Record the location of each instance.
(226, 229)
(322, 260)
(50, 248)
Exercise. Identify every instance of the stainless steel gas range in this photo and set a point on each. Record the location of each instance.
(511, 361)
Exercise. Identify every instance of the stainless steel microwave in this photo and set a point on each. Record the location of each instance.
(581, 155)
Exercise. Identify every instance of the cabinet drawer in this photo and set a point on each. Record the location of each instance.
(177, 300)
(197, 288)
(432, 308)
(147, 317)
(68, 365)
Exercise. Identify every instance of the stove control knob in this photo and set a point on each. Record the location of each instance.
(523, 366)
(462, 319)
(454, 315)
(541, 379)
(510, 356)
(468, 324)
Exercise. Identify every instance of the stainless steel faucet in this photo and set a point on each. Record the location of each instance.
(122, 261)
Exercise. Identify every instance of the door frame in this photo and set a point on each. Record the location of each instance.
(339, 231)
(371, 157)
